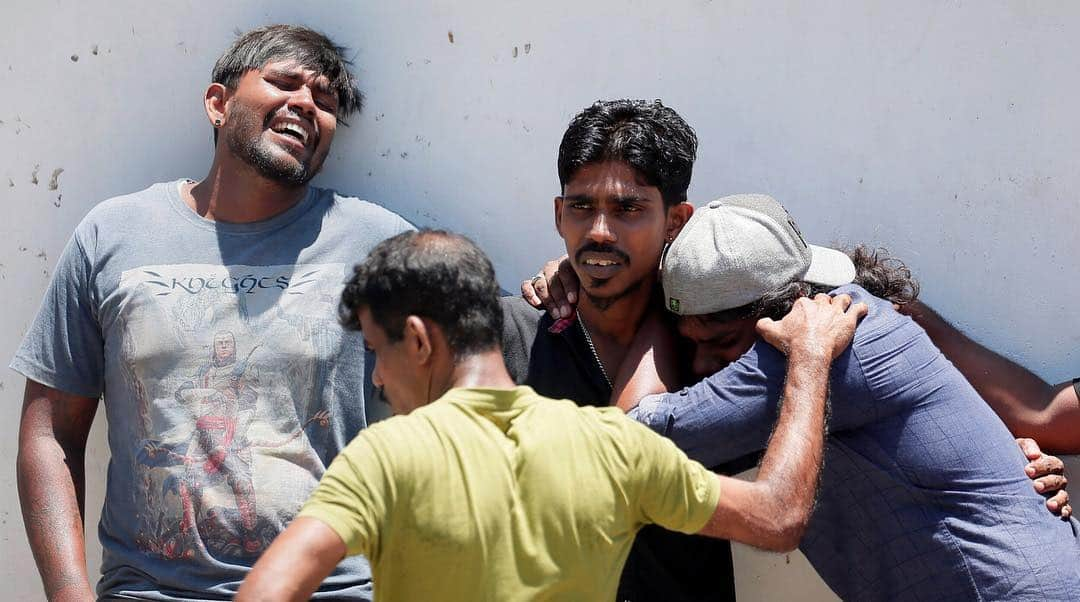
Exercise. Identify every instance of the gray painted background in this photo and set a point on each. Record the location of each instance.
(944, 131)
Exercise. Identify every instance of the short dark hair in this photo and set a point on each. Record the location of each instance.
(651, 138)
(881, 275)
(433, 274)
(309, 48)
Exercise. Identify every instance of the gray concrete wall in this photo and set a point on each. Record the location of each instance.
(945, 131)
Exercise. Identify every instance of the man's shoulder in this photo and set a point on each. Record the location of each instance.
(881, 314)
(521, 323)
(131, 205)
(859, 294)
(359, 211)
(401, 434)
(517, 309)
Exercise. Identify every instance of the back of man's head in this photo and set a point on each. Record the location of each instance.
(309, 48)
(437, 275)
(651, 138)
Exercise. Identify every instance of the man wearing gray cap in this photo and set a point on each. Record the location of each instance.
(923, 493)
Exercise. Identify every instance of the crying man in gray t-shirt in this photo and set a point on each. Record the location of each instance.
(205, 314)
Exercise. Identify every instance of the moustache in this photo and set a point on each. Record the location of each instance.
(595, 247)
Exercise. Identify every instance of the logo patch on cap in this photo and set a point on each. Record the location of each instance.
(673, 304)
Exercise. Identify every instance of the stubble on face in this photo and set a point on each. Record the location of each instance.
(604, 303)
(244, 137)
(615, 258)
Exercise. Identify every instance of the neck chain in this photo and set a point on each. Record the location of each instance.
(592, 347)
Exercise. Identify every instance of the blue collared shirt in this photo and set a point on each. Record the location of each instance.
(923, 493)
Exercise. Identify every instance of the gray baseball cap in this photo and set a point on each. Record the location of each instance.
(735, 249)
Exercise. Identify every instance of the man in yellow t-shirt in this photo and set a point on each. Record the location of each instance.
(480, 490)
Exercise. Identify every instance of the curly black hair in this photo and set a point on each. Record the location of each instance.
(651, 138)
(433, 274)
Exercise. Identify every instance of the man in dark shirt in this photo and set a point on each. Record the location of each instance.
(624, 168)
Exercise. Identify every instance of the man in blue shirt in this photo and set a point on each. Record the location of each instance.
(923, 493)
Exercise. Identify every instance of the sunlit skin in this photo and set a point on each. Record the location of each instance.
(717, 344)
(614, 227)
(286, 112)
(261, 167)
(405, 383)
(55, 425)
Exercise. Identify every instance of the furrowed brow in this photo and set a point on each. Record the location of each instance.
(284, 73)
(580, 198)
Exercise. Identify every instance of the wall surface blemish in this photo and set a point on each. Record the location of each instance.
(54, 179)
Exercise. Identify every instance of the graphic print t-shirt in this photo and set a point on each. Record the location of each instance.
(229, 385)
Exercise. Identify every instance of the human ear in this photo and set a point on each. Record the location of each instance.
(558, 214)
(677, 216)
(418, 340)
(215, 101)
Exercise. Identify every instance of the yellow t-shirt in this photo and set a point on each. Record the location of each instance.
(501, 494)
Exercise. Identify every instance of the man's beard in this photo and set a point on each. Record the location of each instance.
(599, 302)
(603, 303)
(244, 138)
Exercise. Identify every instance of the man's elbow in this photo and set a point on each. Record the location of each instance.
(786, 524)
(783, 534)
(260, 589)
(789, 536)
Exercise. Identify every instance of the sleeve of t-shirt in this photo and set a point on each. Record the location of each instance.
(358, 492)
(64, 348)
(673, 491)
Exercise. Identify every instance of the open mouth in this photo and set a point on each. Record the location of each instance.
(292, 131)
(600, 266)
(600, 262)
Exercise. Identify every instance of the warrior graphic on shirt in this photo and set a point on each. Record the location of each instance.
(199, 473)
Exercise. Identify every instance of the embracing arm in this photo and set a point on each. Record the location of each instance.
(50, 470)
(772, 512)
(295, 564)
(1028, 405)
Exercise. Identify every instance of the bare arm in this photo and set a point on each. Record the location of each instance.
(1028, 405)
(772, 512)
(50, 470)
(295, 564)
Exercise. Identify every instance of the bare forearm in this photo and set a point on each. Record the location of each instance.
(772, 512)
(1028, 405)
(50, 474)
(295, 564)
(789, 471)
(991, 374)
(51, 485)
(791, 461)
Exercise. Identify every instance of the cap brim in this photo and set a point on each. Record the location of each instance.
(829, 267)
